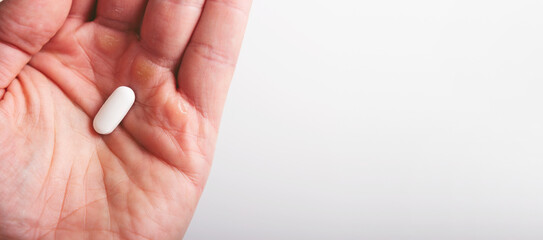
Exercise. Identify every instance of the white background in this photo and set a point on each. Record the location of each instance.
(386, 119)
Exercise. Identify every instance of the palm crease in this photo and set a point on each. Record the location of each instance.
(62, 180)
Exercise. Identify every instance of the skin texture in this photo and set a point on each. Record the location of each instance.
(59, 61)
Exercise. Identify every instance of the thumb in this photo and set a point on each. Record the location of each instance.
(25, 26)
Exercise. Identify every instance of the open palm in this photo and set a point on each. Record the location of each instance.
(59, 61)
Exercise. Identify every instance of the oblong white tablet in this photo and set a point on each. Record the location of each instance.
(114, 110)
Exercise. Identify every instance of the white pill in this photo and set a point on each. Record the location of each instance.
(114, 110)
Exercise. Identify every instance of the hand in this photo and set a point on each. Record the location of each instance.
(59, 61)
